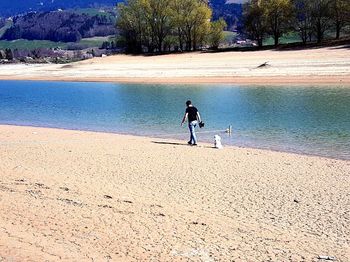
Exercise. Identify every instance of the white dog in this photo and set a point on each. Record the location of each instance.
(217, 142)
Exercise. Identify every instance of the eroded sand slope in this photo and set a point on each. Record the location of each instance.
(329, 65)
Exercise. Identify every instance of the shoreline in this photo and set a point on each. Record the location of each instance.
(319, 66)
(73, 195)
(295, 81)
(180, 141)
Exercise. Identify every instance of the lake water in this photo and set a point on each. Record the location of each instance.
(308, 120)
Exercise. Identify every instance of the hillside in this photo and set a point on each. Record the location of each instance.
(230, 10)
(65, 26)
(14, 7)
(75, 20)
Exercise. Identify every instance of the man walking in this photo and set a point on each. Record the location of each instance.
(193, 117)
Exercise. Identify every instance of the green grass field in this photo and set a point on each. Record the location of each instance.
(34, 44)
(285, 39)
(30, 45)
(295, 38)
(96, 11)
(229, 36)
(96, 41)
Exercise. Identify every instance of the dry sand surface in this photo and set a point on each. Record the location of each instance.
(329, 65)
(82, 196)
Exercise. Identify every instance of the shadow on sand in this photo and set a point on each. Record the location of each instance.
(176, 144)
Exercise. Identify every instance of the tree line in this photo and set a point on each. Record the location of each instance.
(166, 25)
(310, 19)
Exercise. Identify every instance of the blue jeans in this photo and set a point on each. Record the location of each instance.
(192, 125)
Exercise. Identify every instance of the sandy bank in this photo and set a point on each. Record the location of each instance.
(76, 195)
(329, 65)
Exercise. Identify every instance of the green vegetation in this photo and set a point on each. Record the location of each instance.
(230, 36)
(90, 11)
(96, 41)
(288, 38)
(217, 35)
(108, 13)
(60, 26)
(23, 44)
(310, 19)
(159, 25)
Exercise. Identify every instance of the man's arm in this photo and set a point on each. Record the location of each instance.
(199, 117)
(184, 119)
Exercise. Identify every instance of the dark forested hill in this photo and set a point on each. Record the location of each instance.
(65, 26)
(231, 11)
(14, 7)
(41, 20)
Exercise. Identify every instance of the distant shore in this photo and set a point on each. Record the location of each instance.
(73, 195)
(316, 66)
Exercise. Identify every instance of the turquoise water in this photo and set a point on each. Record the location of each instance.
(308, 120)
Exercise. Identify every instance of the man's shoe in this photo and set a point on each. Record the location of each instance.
(189, 142)
(194, 144)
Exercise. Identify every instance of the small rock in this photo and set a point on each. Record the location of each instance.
(105, 206)
(107, 196)
(326, 258)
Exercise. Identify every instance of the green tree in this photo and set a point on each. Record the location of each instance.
(192, 22)
(132, 25)
(303, 19)
(216, 33)
(9, 54)
(340, 14)
(153, 25)
(321, 17)
(255, 21)
(158, 14)
(278, 15)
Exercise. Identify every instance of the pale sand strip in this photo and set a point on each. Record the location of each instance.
(169, 202)
(329, 65)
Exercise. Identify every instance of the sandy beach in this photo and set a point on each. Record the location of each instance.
(79, 196)
(326, 65)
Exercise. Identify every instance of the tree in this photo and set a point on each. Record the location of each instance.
(216, 33)
(340, 14)
(201, 24)
(192, 22)
(132, 24)
(158, 15)
(254, 21)
(9, 54)
(153, 24)
(321, 17)
(145, 23)
(278, 15)
(303, 19)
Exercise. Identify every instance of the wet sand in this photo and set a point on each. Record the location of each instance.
(78, 196)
